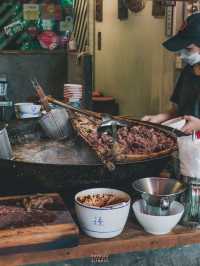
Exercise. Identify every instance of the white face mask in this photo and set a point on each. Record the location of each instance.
(190, 58)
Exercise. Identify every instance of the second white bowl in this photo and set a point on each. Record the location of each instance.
(158, 225)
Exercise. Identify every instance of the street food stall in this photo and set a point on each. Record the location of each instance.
(82, 185)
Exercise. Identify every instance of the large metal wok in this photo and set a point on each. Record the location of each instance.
(42, 164)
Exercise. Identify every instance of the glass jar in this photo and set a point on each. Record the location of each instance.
(191, 201)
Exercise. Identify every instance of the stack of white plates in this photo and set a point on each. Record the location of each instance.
(73, 93)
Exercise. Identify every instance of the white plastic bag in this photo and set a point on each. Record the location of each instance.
(189, 155)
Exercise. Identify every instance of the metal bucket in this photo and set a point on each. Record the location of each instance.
(56, 124)
(5, 147)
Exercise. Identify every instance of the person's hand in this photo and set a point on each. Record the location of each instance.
(192, 123)
(155, 118)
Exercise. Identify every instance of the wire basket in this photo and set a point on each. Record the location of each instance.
(56, 124)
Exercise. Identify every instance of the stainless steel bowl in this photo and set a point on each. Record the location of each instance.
(158, 193)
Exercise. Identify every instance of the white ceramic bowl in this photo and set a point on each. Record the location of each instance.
(28, 108)
(158, 225)
(102, 222)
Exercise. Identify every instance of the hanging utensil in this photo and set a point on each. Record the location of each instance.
(134, 5)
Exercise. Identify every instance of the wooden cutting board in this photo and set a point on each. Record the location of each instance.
(25, 228)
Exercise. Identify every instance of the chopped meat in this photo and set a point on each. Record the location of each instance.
(37, 202)
(101, 200)
(18, 216)
(131, 140)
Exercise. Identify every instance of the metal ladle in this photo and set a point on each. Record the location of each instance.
(110, 125)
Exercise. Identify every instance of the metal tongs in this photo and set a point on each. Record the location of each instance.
(41, 94)
(110, 125)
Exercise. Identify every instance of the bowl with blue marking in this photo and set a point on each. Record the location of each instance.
(102, 212)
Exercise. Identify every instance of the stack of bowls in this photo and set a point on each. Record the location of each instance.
(27, 110)
(73, 94)
(158, 211)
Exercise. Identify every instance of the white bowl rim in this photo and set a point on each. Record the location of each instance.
(158, 216)
(27, 103)
(101, 208)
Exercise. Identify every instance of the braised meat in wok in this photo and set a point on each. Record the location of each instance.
(136, 141)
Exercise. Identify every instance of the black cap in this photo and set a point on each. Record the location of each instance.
(188, 34)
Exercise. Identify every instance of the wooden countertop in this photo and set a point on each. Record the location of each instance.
(132, 239)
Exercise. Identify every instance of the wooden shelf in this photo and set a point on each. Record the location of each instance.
(32, 52)
(132, 239)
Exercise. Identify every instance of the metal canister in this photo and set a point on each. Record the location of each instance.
(5, 146)
(6, 106)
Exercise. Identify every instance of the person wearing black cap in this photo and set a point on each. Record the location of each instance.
(186, 96)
